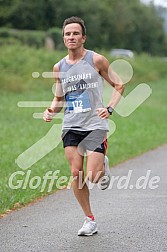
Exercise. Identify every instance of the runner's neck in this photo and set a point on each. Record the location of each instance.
(75, 56)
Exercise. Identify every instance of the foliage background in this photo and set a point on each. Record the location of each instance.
(110, 23)
(25, 25)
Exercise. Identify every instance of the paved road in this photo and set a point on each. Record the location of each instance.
(128, 219)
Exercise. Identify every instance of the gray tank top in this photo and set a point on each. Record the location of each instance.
(83, 89)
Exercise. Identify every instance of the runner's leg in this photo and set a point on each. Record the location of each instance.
(95, 166)
(75, 160)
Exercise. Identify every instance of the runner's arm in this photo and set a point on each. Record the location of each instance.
(111, 77)
(103, 67)
(58, 100)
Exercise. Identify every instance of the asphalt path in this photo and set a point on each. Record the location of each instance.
(131, 215)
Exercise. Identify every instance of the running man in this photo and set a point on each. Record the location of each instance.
(79, 86)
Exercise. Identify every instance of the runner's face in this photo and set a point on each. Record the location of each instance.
(73, 37)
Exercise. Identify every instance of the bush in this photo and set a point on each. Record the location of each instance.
(56, 35)
(26, 37)
(4, 32)
(31, 38)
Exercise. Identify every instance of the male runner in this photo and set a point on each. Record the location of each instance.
(79, 85)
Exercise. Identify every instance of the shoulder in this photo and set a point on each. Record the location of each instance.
(56, 67)
(56, 71)
(60, 64)
(100, 61)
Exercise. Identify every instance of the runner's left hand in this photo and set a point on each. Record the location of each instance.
(103, 113)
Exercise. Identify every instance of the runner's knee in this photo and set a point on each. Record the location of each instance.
(76, 172)
(94, 176)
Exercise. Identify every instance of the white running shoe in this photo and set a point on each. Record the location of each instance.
(104, 182)
(89, 227)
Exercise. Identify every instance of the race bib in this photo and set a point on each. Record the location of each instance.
(77, 103)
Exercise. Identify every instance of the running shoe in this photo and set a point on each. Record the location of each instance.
(105, 180)
(89, 227)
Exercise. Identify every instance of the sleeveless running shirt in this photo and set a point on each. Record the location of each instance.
(83, 89)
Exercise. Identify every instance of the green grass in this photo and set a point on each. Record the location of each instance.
(143, 130)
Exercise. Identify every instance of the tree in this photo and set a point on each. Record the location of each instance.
(110, 23)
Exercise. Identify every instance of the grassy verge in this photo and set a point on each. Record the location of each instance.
(141, 131)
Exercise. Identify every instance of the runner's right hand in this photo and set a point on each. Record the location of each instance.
(48, 115)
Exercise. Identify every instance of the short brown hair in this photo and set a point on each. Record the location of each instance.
(75, 20)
